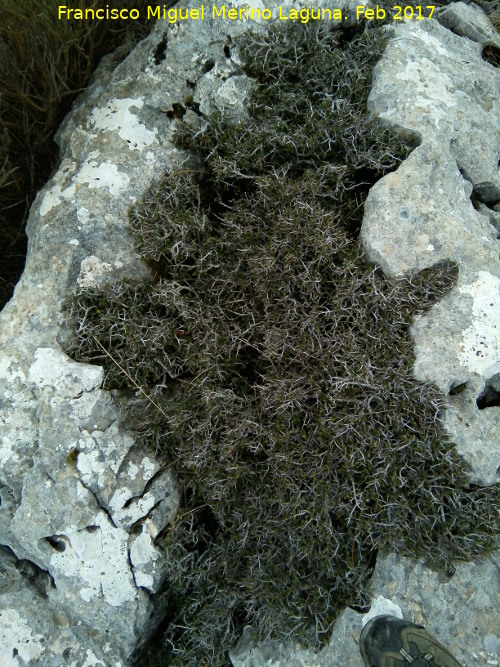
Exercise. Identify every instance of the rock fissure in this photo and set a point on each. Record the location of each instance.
(102, 507)
(131, 566)
(14, 568)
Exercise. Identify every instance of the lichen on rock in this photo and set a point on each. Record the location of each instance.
(279, 363)
(82, 495)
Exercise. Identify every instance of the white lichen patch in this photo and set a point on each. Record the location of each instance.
(433, 43)
(102, 175)
(97, 559)
(59, 191)
(51, 199)
(149, 467)
(91, 660)
(231, 92)
(119, 498)
(83, 214)
(116, 116)
(7, 452)
(132, 470)
(91, 269)
(17, 432)
(91, 467)
(480, 347)
(19, 645)
(98, 467)
(52, 368)
(133, 512)
(9, 372)
(81, 408)
(93, 174)
(431, 85)
(143, 556)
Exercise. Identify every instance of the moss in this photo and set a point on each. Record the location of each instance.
(72, 457)
(282, 363)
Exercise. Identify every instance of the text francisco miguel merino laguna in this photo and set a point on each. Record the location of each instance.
(173, 14)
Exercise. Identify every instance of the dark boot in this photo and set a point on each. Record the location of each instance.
(387, 641)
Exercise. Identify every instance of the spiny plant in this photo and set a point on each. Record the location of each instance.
(278, 363)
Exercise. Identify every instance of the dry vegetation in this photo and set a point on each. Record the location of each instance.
(281, 363)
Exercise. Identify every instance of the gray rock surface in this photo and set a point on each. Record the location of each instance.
(434, 82)
(460, 611)
(81, 504)
(423, 213)
(469, 21)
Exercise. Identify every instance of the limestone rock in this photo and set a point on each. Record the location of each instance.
(423, 213)
(461, 611)
(468, 21)
(433, 82)
(80, 504)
